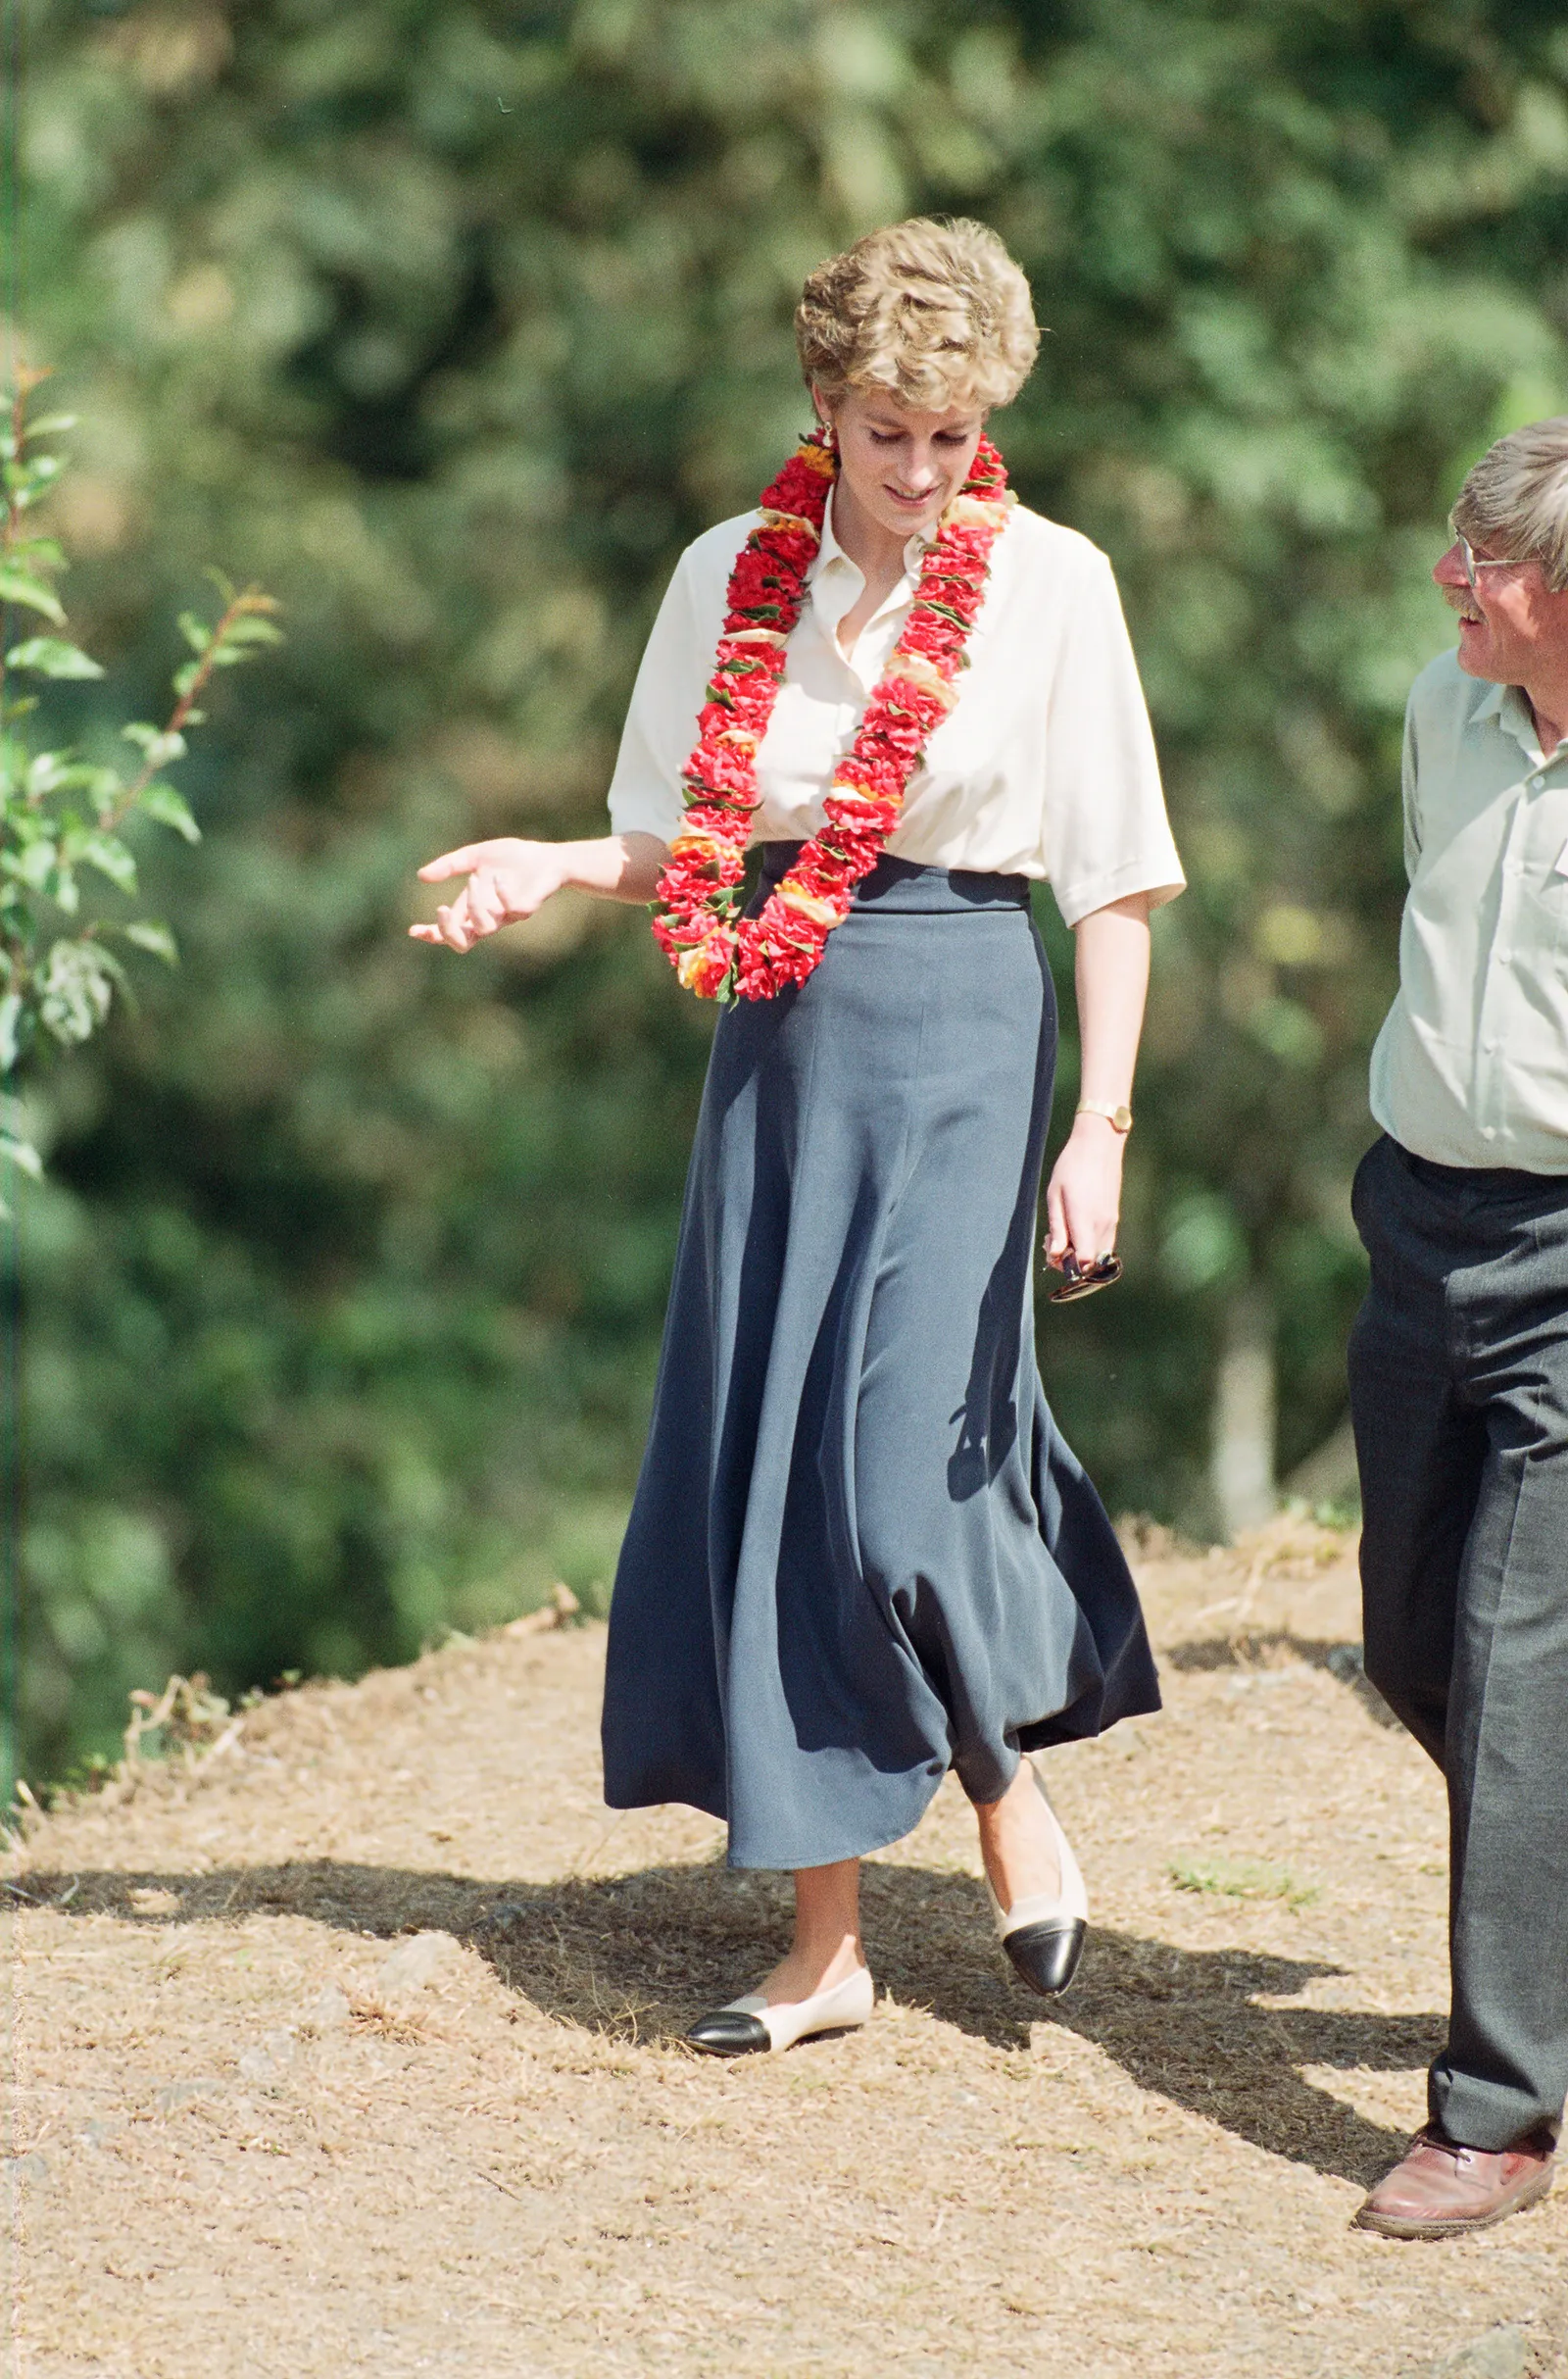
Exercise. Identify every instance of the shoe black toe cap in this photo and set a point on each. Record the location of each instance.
(1046, 1956)
(729, 2033)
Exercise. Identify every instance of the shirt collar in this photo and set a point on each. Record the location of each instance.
(830, 554)
(1505, 706)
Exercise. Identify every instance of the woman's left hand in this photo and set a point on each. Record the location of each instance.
(1083, 1201)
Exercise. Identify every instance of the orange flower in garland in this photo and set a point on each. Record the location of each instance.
(715, 951)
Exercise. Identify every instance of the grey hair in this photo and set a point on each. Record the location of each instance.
(1515, 500)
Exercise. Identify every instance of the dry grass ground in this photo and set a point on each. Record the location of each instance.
(259, 2128)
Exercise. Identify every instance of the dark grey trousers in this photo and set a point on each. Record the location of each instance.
(1459, 1394)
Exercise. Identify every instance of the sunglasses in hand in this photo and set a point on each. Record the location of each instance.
(1083, 1279)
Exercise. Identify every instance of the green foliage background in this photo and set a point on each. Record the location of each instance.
(450, 321)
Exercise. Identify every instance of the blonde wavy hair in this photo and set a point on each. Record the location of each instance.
(935, 311)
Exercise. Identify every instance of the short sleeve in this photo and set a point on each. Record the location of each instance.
(1106, 831)
(645, 792)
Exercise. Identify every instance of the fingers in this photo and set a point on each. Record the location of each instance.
(1081, 1214)
(452, 863)
(1058, 1236)
(453, 928)
(480, 909)
(487, 910)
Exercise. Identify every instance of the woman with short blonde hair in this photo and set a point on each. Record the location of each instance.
(860, 1553)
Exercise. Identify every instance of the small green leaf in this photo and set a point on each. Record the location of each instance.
(45, 554)
(17, 587)
(58, 773)
(51, 657)
(10, 1030)
(160, 746)
(196, 632)
(29, 479)
(45, 771)
(32, 864)
(110, 857)
(78, 985)
(147, 934)
(50, 426)
(63, 892)
(184, 678)
(251, 629)
(22, 1153)
(170, 809)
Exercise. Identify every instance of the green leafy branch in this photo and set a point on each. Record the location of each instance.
(61, 817)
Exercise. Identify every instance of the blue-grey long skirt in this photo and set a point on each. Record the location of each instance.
(860, 1551)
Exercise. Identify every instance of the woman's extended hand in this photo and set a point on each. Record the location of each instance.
(1083, 1203)
(508, 880)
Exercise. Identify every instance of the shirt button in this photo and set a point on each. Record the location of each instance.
(1489, 1132)
(1535, 783)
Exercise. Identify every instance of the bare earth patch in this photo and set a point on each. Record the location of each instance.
(356, 2050)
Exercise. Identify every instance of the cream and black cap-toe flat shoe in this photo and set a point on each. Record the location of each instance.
(748, 2026)
(1044, 1934)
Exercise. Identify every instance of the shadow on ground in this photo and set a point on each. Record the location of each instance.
(1274, 1647)
(639, 1955)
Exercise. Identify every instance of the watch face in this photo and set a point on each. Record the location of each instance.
(1123, 1118)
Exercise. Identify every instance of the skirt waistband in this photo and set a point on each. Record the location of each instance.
(901, 886)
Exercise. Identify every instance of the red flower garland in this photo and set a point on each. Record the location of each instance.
(715, 950)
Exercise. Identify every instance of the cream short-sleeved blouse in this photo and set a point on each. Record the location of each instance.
(1045, 767)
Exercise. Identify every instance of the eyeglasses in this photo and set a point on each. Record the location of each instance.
(1474, 561)
(1082, 1280)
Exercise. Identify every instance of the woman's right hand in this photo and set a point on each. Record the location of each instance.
(508, 880)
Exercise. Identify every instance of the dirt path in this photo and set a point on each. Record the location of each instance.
(253, 2131)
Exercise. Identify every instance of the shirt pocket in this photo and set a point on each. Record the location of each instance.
(1540, 926)
(1538, 936)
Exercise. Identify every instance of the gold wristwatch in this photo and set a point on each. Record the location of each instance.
(1120, 1119)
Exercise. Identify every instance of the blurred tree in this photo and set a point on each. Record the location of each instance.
(64, 819)
(453, 322)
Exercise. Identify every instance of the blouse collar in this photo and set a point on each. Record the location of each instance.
(830, 552)
(836, 581)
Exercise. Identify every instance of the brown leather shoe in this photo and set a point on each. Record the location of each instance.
(1440, 2191)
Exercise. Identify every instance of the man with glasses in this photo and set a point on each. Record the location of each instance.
(1459, 1355)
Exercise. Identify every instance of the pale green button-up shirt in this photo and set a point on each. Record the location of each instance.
(1471, 1066)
